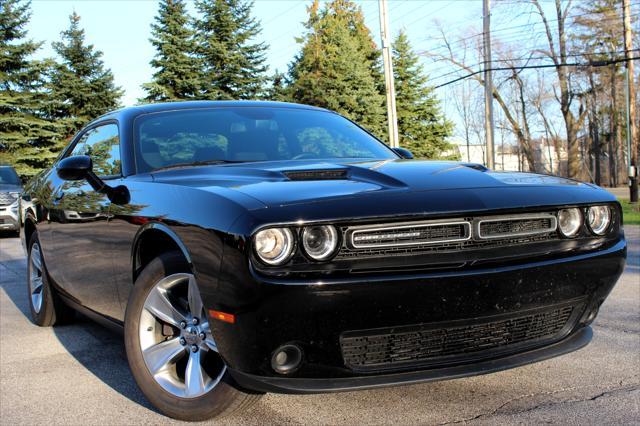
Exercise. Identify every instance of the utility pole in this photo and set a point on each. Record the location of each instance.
(488, 84)
(632, 132)
(392, 117)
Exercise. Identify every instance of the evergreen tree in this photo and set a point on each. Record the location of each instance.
(27, 139)
(178, 70)
(337, 66)
(278, 90)
(233, 63)
(421, 125)
(81, 87)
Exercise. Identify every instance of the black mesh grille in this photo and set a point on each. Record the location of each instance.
(412, 235)
(516, 226)
(349, 253)
(7, 198)
(388, 348)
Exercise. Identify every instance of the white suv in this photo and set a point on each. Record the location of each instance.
(10, 189)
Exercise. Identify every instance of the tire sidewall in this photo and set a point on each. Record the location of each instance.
(200, 408)
(46, 316)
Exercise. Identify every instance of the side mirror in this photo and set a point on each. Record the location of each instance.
(80, 167)
(403, 153)
(74, 168)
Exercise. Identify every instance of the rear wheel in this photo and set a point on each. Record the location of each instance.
(171, 352)
(46, 307)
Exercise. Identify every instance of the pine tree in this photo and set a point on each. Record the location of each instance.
(421, 125)
(233, 63)
(177, 75)
(81, 87)
(278, 90)
(337, 67)
(27, 139)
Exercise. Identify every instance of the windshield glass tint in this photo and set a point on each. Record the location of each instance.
(8, 176)
(250, 134)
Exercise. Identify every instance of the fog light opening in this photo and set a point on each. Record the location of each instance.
(286, 359)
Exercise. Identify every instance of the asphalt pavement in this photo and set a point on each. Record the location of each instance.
(78, 374)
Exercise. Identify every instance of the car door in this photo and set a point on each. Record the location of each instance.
(79, 222)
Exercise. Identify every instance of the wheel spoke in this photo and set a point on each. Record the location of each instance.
(195, 301)
(193, 375)
(159, 305)
(211, 344)
(160, 356)
(36, 260)
(36, 285)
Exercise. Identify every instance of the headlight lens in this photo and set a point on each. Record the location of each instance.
(599, 218)
(320, 242)
(569, 221)
(274, 245)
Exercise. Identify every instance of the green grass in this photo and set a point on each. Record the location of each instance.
(630, 212)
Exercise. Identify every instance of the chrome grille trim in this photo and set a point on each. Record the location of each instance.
(397, 231)
(7, 198)
(553, 225)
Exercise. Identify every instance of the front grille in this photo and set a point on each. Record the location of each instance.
(427, 237)
(346, 253)
(423, 344)
(7, 198)
(516, 226)
(410, 235)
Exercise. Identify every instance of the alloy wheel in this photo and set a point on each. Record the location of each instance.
(36, 285)
(177, 346)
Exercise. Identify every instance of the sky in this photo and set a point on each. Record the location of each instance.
(120, 29)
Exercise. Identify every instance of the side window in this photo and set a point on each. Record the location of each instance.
(102, 144)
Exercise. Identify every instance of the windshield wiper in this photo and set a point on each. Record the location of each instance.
(197, 163)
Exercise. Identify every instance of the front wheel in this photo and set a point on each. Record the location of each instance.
(45, 305)
(170, 349)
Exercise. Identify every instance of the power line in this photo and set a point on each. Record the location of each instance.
(512, 68)
(526, 29)
(527, 58)
(528, 26)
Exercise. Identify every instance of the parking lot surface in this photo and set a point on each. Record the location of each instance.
(78, 374)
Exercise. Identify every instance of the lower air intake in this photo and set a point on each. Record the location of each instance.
(398, 347)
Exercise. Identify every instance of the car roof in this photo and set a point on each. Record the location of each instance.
(136, 110)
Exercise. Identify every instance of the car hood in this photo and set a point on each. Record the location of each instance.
(295, 182)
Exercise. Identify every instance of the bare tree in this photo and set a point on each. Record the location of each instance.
(458, 60)
(557, 51)
(466, 103)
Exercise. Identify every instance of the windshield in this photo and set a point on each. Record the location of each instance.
(245, 134)
(8, 176)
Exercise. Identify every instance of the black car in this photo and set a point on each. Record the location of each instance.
(10, 189)
(251, 247)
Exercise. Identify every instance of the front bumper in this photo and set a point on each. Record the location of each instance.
(574, 342)
(315, 314)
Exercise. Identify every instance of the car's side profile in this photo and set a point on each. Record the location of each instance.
(251, 247)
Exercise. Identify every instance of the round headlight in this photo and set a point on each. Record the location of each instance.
(320, 242)
(274, 245)
(599, 218)
(569, 221)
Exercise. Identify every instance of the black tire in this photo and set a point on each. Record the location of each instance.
(225, 398)
(52, 310)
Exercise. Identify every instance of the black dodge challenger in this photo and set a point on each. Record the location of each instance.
(251, 247)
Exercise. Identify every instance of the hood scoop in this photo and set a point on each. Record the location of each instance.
(305, 175)
(475, 166)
